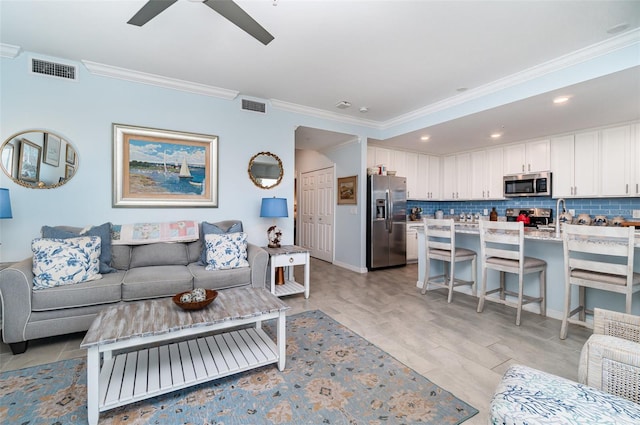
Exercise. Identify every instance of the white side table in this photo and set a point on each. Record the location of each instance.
(288, 256)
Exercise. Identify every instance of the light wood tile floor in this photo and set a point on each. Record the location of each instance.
(458, 349)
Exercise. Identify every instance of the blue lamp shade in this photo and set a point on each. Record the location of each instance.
(274, 207)
(5, 203)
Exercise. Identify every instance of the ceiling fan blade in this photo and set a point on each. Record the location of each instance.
(230, 10)
(149, 11)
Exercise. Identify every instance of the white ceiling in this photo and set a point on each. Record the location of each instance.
(393, 57)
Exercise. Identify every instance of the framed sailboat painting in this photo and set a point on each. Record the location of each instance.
(164, 168)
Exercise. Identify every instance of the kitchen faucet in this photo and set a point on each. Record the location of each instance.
(558, 212)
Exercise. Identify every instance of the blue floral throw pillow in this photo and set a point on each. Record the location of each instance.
(103, 231)
(211, 228)
(226, 251)
(59, 262)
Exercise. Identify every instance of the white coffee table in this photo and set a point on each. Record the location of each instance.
(162, 348)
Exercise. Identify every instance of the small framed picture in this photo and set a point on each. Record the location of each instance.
(51, 153)
(68, 171)
(348, 190)
(29, 164)
(71, 155)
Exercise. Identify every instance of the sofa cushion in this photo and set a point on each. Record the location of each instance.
(219, 228)
(59, 262)
(96, 292)
(120, 257)
(103, 231)
(219, 279)
(227, 251)
(158, 281)
(159, 254)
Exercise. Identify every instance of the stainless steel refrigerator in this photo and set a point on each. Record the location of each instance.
(386, 221)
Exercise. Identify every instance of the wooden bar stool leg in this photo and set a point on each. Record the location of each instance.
(520, 291)
(427, 271)
(502, 286)
(543, 292)
(483, 290)
(582, 303)
(452, 269)
(474, 277)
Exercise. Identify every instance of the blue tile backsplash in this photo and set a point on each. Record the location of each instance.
(611, 207)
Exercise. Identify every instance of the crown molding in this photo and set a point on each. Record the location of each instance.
(321, 113)
(9, 51)
(622, 41)
(158, 80)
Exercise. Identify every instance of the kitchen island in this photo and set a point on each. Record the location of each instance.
(543, 244)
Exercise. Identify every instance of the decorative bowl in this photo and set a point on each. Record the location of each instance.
(210, 296)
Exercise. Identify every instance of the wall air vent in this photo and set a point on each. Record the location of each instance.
(250, 105)
(54, 69)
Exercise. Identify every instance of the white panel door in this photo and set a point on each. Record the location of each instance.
(317, 213)
(307, 210)
(324, 214)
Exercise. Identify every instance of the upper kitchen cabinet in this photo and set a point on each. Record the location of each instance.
(575, 165)
(431, 180)
(412, 177)
(527, 157)
(455, 177)
(486, 173)
(619, 162)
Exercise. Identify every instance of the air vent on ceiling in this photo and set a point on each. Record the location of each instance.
(250, 105)
(53, 69)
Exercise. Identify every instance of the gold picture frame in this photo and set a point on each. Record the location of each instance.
(164, 168)
(348, 190)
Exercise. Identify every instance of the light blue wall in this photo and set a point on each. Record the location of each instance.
(83, 112)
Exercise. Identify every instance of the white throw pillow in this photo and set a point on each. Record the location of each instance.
(226, 251)
(65, 261)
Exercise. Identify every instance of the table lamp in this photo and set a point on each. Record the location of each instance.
(5, 203)
(274, 207)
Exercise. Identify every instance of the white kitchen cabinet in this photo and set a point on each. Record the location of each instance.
(575, 165)
(527, 157)
(411, 174)
(617, 161)
(456, 178)
(398, 162)
(371, 156)
(449, 187)
(433, 184)
(495, 160)
(635, 141)
(412, 244)
(486, 174)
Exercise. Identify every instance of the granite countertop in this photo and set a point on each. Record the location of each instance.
(548, 235)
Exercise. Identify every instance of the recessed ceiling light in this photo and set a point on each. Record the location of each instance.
(364, 109)
(561, 99)
(343, 104)
(496, 135)
(424, 138)
(461, 89)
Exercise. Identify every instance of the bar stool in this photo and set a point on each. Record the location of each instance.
(597, 257)
(502, 249)
(440, 241)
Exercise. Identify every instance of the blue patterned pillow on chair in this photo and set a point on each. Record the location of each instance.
(59, 262)
(226, 251)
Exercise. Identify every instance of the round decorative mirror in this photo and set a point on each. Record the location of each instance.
(38, 159)
(265, 170)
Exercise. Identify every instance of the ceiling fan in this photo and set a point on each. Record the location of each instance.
(227, 8)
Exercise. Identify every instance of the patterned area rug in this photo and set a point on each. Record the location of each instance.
(332, 376)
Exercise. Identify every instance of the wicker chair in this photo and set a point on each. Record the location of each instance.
(610, 359)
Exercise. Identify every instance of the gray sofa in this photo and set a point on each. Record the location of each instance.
(142, 272)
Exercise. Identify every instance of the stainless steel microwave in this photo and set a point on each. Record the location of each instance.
(523, 185)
